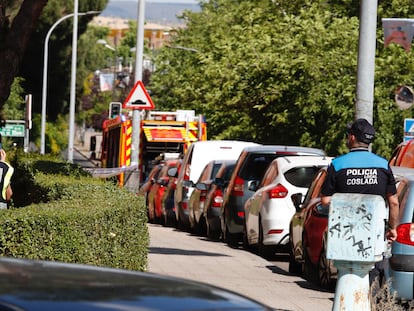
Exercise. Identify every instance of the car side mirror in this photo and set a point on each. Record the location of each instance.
(188, 183)
(172, 172)
(297, 201)
(252, 186)
(201, 186)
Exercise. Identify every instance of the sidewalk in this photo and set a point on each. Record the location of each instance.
(181, 254)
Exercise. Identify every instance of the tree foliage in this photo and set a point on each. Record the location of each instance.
(265, 71)
(59, 60)
(17, 22)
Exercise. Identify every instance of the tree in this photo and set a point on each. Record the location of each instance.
(15, 34)
(59, 55)
(268, 72)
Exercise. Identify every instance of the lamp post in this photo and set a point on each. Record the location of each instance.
(45, 65)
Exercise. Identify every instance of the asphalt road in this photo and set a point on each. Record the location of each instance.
(181, 254)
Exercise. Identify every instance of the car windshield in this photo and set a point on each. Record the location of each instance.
(301, 176)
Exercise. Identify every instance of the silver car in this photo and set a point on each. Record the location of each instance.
(400, 268)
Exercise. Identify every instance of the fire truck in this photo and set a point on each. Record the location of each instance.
(161, 133)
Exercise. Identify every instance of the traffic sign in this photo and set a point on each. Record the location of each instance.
(408, 129)
(12, 130)
(138, 98)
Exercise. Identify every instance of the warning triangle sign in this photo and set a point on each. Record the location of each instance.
(138, 98)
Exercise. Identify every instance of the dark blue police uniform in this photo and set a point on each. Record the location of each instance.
(359, 171)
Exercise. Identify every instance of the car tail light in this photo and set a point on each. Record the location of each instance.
(238, 188)
(275, 231)
(187, 173)
(240, 214)
(405, 234)
(278, 192)
(203, 195)
(184, 205)
(217, 198)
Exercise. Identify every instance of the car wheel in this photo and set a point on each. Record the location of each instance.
(150, 212)
(202, 226)
(162, 219)
(246, 244)
(294, 266)
(213, 235)
(265, 251)
(229, 238)
(327, 273)
(169, 220)
(309, 270)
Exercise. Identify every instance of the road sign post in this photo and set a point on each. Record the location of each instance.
(137, 100)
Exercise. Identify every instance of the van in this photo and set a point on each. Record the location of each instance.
(195, 159)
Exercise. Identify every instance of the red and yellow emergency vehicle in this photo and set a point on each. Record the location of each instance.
(161, 133)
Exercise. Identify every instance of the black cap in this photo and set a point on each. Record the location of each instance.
(362, 130)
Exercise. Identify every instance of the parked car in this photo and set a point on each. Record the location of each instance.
(403, 154)
(195, 159)
(149, 182)
(269, 210)
(400, 270)
(214, 200)
(167, 201)
(154, 198)
(41, 285)
(307, 236)
(198, 197)
(250, 167)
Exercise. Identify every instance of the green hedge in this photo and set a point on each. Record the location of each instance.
(74, 218)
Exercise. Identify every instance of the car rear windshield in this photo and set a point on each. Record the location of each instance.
(301, 176)
(215, 169)
(228, 172)
(256, 164)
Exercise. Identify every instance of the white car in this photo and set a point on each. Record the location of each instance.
(269, 210)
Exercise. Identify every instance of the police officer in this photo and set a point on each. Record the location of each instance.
(361, 171)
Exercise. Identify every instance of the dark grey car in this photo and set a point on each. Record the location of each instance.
(41, 285)
(250, 167)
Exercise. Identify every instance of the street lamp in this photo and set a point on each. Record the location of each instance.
(178, 47)
(45, 65)
(104, 43)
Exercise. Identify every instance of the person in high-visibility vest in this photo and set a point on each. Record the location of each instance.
(6, 172)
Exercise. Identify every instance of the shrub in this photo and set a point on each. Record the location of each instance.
(60, 213)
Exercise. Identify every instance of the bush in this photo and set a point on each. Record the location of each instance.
(60, 213)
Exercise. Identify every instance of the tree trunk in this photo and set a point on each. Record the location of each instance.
(14, 39)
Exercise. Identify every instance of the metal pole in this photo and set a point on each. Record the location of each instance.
(73, 83)
(45, 67)
(366, 60)
(136, 116)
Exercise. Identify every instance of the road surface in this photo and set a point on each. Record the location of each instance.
(181, 254)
